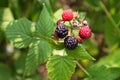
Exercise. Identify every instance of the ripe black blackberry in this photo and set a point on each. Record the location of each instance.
(61, 31)
(70, 42)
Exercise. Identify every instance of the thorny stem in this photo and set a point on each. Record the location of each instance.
(85, 71)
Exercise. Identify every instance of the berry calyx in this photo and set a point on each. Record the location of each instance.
(61, 31)
(70, 42)
(75, 15)
(67, 15)
(55, 36)
(75, 24)
(84, 22)
(85, 32)
(60, 21)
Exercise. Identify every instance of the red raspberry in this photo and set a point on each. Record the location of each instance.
(85, 32)
(67, 15)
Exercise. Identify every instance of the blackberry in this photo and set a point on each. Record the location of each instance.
(61, 31)
(70, 42)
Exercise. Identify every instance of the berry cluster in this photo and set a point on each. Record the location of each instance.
(62, 31)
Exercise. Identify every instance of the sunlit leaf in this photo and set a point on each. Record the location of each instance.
(19, 32)
(5, 72)
(38, 54)
(79, 53)
(61, 67)
(45, 24)
(103, 73)
(112, 60)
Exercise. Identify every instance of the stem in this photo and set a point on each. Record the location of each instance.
(85, 71)
(118, 23)
(49, 40)
(71, 29)
(109, 17)
(64, 53)
(108, 14)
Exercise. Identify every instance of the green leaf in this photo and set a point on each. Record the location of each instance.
(5, 72)
(57, 14)
(112, 60)
(112, 35)
(48, 5)
(32, 77)
(4, 3)
(54, 44)
(38, 54)
(5, 15)
(96, 26)
(103, 73)
(60, 67)
(82, 15)
(1, 35)
(86, 79)
(93, 4)
(16, 9)
(107, 68)
(20, 63)
(115, 72)
(45, 25)
(92, 47)
(79, 53)
(20, 32)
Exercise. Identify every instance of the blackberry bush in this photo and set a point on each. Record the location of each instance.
(56, 46)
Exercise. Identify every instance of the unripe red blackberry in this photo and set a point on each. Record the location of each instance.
(80, 40)
(70, 42)
(85, 32)
(67, 15)
(61, 31)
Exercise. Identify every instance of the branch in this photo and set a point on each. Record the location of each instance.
(108, 14)
(85, 71)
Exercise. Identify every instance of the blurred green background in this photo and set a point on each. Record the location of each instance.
(103, 17)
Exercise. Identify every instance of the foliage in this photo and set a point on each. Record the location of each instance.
(61, 67)
(26, 44)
